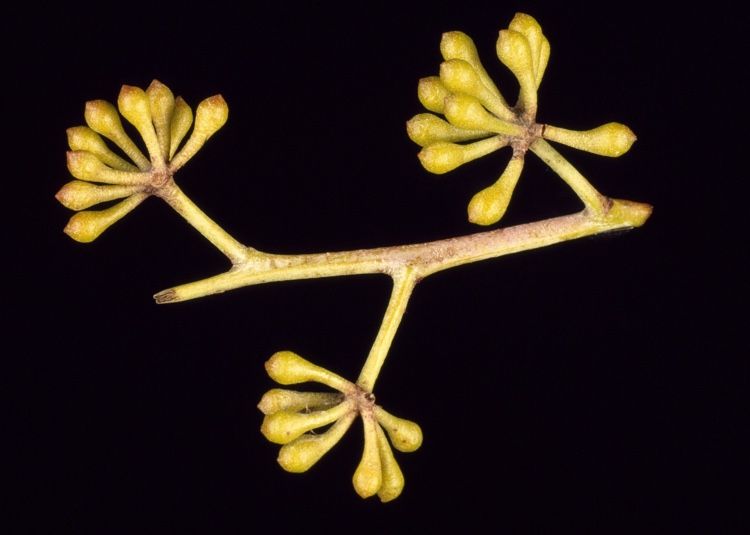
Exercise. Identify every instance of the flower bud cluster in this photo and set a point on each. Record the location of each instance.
(162, 121)
(291, 418)
(479, 121)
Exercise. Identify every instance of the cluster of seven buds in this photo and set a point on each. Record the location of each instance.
(102, 175)
(291, 417)
(476, 112)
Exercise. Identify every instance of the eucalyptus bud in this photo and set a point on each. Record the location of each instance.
(432, 93)
(161, 102)
(83, 138)
(85, 166)
(368, 477)
(134, 105)
(103, 118)
(77, 195)
(425, 129)
(392, 478)
(302, 453)
(87, 226)
(279, 399)
(442, 157)
(182, 119)
(514, 51)
(465, 111)
(489, 205)
(284, 426)
(611, 139)
(210, 115)
(405, 435)
(286, 368)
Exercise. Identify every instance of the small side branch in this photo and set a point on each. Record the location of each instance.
(221, 239)
(403, 284)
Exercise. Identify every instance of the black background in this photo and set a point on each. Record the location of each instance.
(596, 387)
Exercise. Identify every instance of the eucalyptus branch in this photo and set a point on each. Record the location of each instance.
(478, 121)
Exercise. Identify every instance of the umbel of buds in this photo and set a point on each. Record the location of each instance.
(479, 121)
(162, 121)
(291, 417)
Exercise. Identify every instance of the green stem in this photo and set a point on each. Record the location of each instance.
(403, 284)
(595, 202)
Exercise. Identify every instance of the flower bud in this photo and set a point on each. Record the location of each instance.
(287, 368)
(490, 204)
(514, 51)
(393, 478)
(538, 44)
(425, 129)
(432, 93)
(611, 139)
(77, 195)
(460, 77)
(103, 118)
(368, 477)
(458, 45)
(467, 112)
(85, 227)
(83, 138)
(405, 435)
(85, 166)
(302, 453)
(282, 427)
(135, 107)
(442, 157)
(279, 399)
(210, 115)
(182, 119)
(161, 102)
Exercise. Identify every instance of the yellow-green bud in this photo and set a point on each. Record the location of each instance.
(368, 477)
(425, 129)
(405, 435)
(284, 426)
(442, 157)
(393, 478)
(514, 51)
(489, 205)
(302, 453)
(161, 102)
(182, 119)
(458, 45)
(103, 118)
(77, 195)
(538, 44)
(611, 139)
(287, 368)
(85, 166)
(432, 93)
(210, 115)
(279, 399)
(87, 226)
(83, 138)
(465, 111)
(458, 76)
(134, 105)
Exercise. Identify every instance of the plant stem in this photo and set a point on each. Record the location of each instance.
(594, 201)
(423, 259)
(231, 248)
(403, 284)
